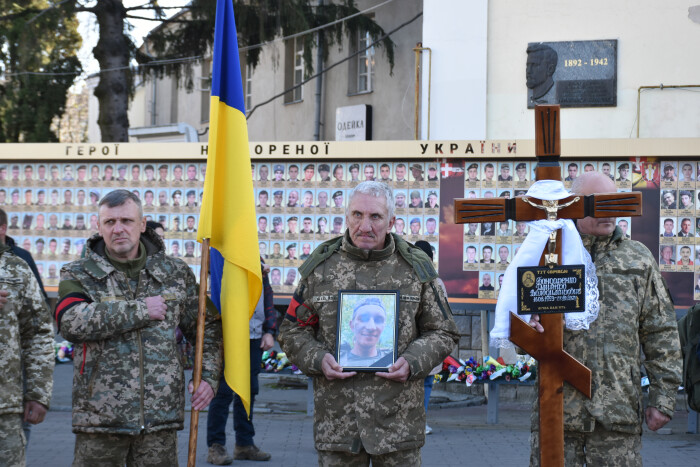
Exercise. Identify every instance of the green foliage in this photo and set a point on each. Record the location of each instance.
(29, 98)
(191, 34)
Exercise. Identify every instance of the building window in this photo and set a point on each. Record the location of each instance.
(365, 64)
(294, 69)
(361, 65)
(248, 88)
(246, 80)
(174, 98)
(205, 89)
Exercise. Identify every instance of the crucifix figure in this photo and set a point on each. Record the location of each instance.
(554, 364)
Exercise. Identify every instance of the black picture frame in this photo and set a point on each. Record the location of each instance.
(369, 351)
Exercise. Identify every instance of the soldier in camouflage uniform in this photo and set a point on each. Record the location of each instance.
(26, 340)
(363, 416)
(121, 305)
(635, 309)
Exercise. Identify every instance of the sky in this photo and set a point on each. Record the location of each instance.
(89, 30)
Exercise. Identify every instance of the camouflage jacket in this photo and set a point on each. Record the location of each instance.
(366, 410)
(26, 337)
(128, 377)
(635, 309)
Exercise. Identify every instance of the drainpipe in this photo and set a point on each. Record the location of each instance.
(154, 90)
(418, 49)
(319, 83)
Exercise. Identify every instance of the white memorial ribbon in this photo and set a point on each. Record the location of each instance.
(529, 254)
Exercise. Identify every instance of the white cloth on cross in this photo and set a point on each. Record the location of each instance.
(529, 254)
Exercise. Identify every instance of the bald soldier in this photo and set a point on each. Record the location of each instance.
(635, 309)
(363, 417)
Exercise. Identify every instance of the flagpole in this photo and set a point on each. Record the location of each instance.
(199, 346)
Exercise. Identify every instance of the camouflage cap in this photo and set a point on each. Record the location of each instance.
(276, 220)
(417, 167)
(293, 218)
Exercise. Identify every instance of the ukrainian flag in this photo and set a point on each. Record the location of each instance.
(227, 215)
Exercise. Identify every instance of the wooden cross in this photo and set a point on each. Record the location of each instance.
(555, 365)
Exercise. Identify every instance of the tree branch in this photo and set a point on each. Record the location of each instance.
(13, 16)
(160, 20)
(148, 6)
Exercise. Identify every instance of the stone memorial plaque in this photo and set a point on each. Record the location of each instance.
(558, 289)
(572, 74)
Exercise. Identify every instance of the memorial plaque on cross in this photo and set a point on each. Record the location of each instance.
(555, 365)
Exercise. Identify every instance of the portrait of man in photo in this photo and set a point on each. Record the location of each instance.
(362, 348)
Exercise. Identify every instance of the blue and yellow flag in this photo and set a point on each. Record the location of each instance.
(227, 216)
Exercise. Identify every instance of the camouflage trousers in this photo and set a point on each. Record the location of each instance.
(157, 449)
(12, 441)
(597, 448)
(405, 458)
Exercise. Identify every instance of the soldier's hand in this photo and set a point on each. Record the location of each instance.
(655, 419)
(267, 341)
(399, 371)
(3, 298)
(34, 412)
(203, 395)
(535, 323)
(332, 370)
(156, 307)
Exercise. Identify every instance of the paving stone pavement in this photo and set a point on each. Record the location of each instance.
(460, 433)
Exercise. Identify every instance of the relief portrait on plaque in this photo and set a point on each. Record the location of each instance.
(572, 73)
(541, 65)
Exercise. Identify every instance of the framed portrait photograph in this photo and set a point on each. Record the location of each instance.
(367, 337)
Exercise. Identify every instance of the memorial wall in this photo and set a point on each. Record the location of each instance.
(50, 193)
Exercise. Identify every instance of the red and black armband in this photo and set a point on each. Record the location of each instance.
(298, 301)
(68, 302)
